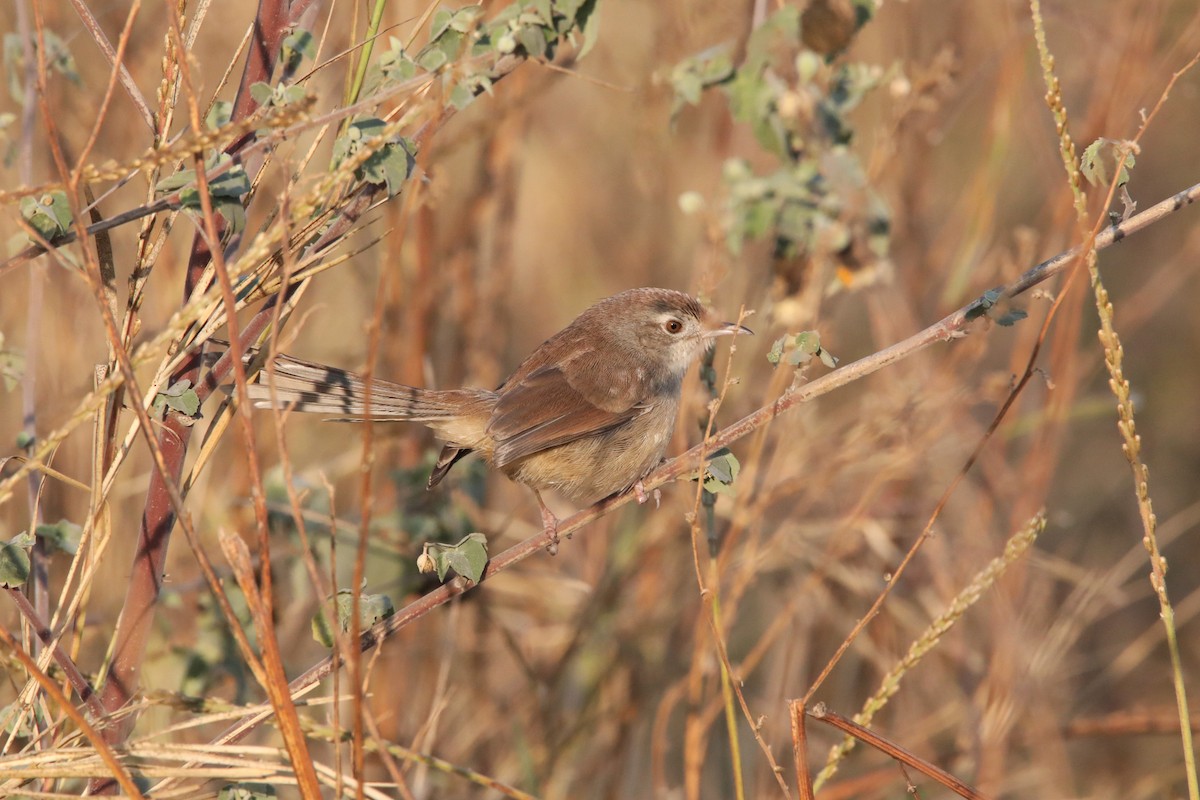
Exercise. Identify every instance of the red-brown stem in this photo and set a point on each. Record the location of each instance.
(78, 682)
(869, 737)
(158, 515)
(800, 750)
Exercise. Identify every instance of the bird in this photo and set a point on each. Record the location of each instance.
(589, 413)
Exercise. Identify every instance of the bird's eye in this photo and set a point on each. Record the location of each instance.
(672, 326)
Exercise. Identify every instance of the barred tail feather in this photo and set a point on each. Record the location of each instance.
(315, 388)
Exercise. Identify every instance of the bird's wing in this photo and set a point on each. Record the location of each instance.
(544, 410)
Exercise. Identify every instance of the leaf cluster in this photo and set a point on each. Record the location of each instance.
(798, 349)
(59, 61)
(467, 557)
(226, 189)
(797, 102)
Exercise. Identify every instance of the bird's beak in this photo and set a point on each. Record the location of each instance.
(727, 329)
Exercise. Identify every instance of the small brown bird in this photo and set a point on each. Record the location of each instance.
(589, 413)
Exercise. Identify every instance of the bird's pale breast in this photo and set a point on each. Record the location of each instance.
(594, 467)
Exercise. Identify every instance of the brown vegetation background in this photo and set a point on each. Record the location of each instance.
(594, 673)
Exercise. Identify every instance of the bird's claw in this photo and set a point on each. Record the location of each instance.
(639, 491)
(550, 528)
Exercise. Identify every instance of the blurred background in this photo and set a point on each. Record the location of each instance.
(594, 673)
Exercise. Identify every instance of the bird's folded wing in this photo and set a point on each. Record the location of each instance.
(544, 410)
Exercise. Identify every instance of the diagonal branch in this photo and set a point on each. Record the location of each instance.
(131, 88)
(952, 326)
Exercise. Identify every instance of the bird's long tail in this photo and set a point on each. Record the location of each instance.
(316, 388)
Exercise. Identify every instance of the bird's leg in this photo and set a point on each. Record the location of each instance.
(639, 491)
(549, 524)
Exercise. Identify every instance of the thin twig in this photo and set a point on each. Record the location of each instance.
(115, 58)
(848, 726)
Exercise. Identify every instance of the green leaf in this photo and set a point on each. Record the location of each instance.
(534, 40)
(721, 472)
(17, 719)
(692, 76)
(796, 224)
(994, 305)
(588, 22)
(808, 342)
(1101, 158)
(687, 90)
(229, 185)
(232, 183)
(800, 348)
(468, 557)
(796, 103)
(58, 59)
(775, 355)
(447, 34)
(758, 217)
(278, 96)
(432, 59)
(173, 183)
(219, 115)
(14, 560)
(180, 397)
(293, 94)
(62, 536)
(440, 24)
(49, 214)
(297, 45)
(390, 164)
(983, 303)
(261, 92)
(394, 66)
(755, 88)
(464, 19)
(371, 609)
(187, 403)
(234, 214)
(461, 97)
(1011, 317)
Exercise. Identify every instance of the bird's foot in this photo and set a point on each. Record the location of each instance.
(639, 491)
(549, 526)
